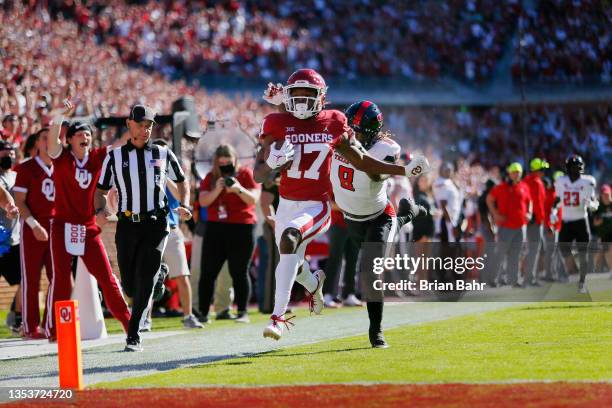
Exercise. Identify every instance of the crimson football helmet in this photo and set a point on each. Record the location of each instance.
(304, 107)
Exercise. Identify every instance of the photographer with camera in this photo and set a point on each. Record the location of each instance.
(230, 193)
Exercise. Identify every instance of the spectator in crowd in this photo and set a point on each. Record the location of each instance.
(535, 227)
(230, 193)
(35, 196)
(10, 229)
(10, 130)
(341, 247)
(448, 200)
(510, 205)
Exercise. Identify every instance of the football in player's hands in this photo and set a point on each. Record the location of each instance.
(417, 165)
(281, 153)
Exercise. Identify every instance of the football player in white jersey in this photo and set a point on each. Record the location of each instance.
(362, 197)
(576, 195)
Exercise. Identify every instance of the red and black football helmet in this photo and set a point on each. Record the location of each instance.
(574, 164)
(366, 118)
(304, 107)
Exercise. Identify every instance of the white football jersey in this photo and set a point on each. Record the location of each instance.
(354, 191)
(575, 196)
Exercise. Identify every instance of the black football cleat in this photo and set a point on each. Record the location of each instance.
(377, 339)
(408, 208)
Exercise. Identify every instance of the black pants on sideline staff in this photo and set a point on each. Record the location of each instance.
(140, 246)
(340, 247)
(233, 243)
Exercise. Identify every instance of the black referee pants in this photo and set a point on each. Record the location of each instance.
(140, 246)
(233, 243)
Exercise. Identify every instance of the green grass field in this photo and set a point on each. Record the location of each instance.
(544, 342)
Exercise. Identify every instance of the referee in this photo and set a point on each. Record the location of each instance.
(139, 170)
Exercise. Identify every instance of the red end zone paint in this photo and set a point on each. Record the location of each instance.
(384, 396)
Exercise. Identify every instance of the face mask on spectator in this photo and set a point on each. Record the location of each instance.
(227, 170)
(6, 162)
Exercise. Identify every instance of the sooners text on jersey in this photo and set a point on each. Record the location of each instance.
(308, 176)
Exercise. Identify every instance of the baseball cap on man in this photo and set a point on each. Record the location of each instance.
(516, 166)
(142, 112)
(606, 189)
(538, 164)
(77, 127)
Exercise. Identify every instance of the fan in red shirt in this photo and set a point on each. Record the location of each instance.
(34, 195)
(229, 192)
(510, 204)
(74, 231)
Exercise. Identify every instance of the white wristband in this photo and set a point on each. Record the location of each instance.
(31, 221)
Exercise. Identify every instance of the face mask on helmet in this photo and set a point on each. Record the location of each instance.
(303, 107)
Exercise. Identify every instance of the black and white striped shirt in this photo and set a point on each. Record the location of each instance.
(140, 176)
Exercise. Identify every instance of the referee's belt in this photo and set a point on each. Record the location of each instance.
(153, 215)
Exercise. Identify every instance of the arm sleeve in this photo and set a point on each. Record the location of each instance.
(175, 171)
(105, 182)
(22, 182)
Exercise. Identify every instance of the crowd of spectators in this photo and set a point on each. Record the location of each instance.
(566, 41)
(45, 60)
(496, 136)
(267, 39)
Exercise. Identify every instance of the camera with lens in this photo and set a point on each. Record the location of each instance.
(228, 172)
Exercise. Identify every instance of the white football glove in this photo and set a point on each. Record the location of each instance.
(274, 94)
(279, 157)
(417, 165)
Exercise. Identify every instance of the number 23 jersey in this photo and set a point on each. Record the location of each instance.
(307, 177)
(575, 196)
(354, 191)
